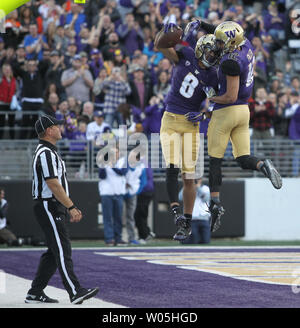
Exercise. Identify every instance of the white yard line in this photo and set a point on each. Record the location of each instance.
(14, 289)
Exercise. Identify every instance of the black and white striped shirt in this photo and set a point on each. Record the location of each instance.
(47, 164)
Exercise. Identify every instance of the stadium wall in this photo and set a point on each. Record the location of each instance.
(272, 214)
(85, 195)
(254, 210)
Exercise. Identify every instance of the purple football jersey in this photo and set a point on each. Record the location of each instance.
(187, 83)
(245, 58)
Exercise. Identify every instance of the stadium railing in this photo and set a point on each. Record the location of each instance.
(16, 159)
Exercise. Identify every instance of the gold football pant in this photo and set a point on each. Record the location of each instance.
(180, 140)
(229, 123)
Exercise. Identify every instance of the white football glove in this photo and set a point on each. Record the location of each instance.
(209, 91)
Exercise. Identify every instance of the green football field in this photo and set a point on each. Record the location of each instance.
(169, 242)
(214, 242)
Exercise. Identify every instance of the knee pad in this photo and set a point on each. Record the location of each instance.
(215, 174)
(172, 183)
(247, 162)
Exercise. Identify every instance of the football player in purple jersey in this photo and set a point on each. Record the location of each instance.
(230, 117)
(193, 72)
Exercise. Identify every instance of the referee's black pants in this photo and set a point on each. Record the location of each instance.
(51, 216)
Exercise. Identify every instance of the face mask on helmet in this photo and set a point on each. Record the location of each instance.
(210, 56)
(206, 51)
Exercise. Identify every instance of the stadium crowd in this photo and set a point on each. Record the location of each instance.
(97, 63)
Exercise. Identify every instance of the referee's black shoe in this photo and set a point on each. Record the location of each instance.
(40, 298)
(84, 294)
(216, 211)
(269, 170)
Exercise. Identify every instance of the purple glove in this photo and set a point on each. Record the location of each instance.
(170, 27)
(195, 117)
(191, 27)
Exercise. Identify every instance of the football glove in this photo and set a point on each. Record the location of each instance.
(195, 117)
(192, 26)
(209, 91)
(170, 27)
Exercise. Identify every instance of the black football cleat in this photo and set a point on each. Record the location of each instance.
(84, 294)
(40, 298)
(269, 170)
(216, 211)
(184, 227)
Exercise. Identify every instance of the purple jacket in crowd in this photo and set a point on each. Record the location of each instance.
(294, 127)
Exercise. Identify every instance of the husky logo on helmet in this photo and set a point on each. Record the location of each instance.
(229, 36)
(206, 50)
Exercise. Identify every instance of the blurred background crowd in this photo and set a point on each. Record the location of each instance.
(96, 66)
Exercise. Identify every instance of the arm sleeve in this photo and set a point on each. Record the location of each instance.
(231, 67)
(49, 165)
(208, 28)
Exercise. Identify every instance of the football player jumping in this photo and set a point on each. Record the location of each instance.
(192, 73)
(230, 117)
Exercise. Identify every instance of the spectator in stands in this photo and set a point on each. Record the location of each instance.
(120, 61)
(60, 40)
(77, 81)
(261, 115)
(96, 128)
(6, 235)
(141, 88)
(294, 129)
(261, 55)
(112, 190)
(116, 88)
(163, 86)
(9, 56)
(201, 215)
(78, 147)
(108, 50)
(131, 34)
(96, 63)
(74, 106)
(104, 27)
(76, 17)
(13, 29)
(295, 84)
(274, 22)
(26, 18)
(88, 111)
(280, 121)
(8, 89)
(153, 112)
(98, 91)
(20, 56)
(51, 105)
(70, 54)
(32, 93)
(69, 117)
(274, 85)
(54, 72)
(35, 43)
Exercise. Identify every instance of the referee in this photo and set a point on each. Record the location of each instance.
(52, 204)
